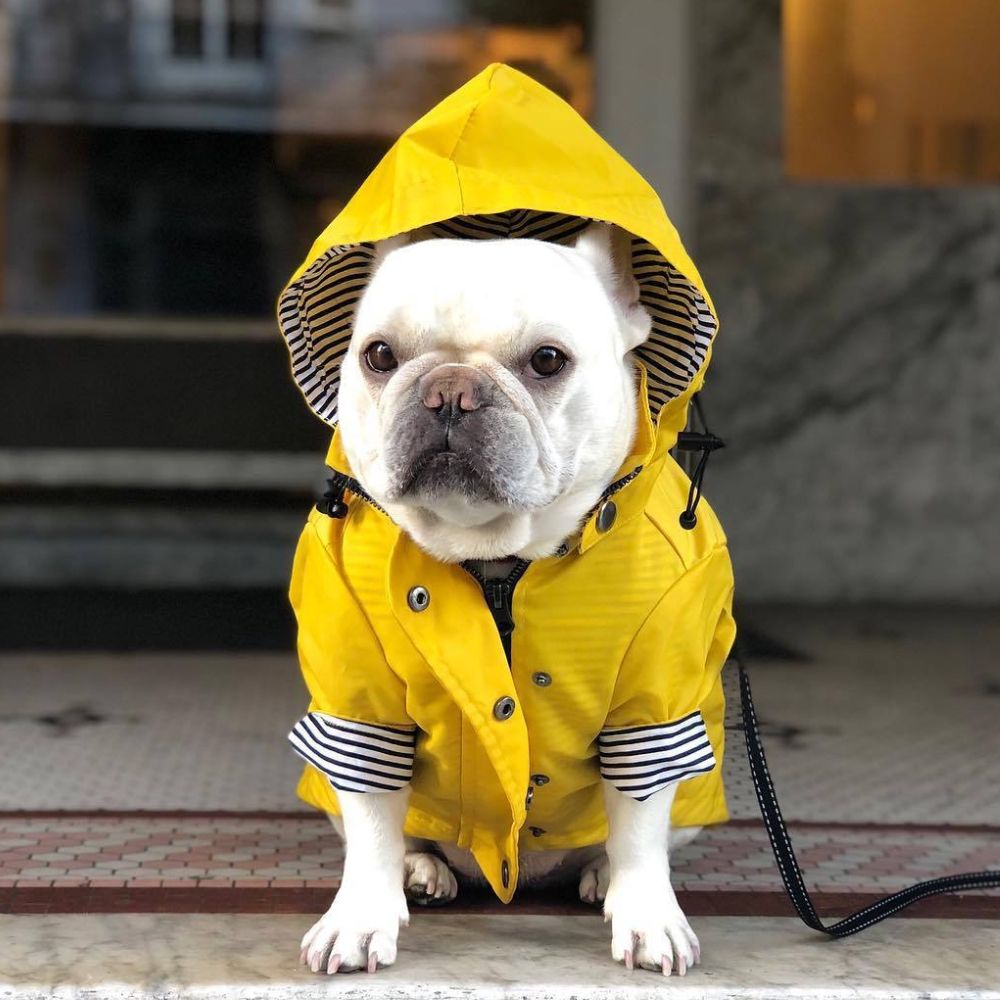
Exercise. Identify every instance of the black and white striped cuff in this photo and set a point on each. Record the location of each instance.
(642, 760)
(356, 756)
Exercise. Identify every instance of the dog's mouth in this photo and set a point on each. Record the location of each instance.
(441, 472)
(481, 459)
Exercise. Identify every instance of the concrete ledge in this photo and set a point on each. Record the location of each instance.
(510, 956)
(151, 468)
(138, 328)
(148, 547)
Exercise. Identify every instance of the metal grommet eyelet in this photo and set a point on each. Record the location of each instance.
(536, 831)
(542, 679)
(505, 873)
(606, 515)
(540, 779)
(418, 598)
(503, 708)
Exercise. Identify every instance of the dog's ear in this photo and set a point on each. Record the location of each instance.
(609, 250)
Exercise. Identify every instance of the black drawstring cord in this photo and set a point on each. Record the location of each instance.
(332, 502)
(706, 443)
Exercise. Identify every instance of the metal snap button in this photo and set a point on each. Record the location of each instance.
(542, 679)
(540, 779)
(418, 598)
(505, 873)
(606, 515)
(504, 708)
(536, 831)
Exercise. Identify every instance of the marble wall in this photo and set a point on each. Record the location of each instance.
(857, 375)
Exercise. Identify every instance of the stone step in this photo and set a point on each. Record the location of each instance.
(138, 384)
(466, 957)
(150, 538)
(169, 454)
(120, 619)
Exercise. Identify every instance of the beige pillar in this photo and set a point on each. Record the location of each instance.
(644, 64)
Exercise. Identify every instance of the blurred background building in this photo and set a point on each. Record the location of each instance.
(164, 164)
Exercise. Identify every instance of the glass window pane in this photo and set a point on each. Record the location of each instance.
(180, 161)
(245, 29)
(892, 91)
(187, 29)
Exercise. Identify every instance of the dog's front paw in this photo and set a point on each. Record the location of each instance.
(648, 927)
(359, 931)
(428, 881)
(594, 876)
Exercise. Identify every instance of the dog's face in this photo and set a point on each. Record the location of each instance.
(487, 383)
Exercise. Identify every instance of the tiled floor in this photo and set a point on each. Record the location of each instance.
(149, 731)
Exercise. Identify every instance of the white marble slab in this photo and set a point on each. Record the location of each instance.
(855, 373)
(205, 957)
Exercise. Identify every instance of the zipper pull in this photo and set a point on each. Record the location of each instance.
(498, 598)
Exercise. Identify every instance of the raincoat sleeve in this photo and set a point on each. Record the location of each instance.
(666, 719)
(356, 732)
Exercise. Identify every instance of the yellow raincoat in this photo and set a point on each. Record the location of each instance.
(619, 639)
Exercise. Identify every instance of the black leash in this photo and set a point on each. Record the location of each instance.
(784, 853)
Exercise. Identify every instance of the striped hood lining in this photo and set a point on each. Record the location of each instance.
(316, 312)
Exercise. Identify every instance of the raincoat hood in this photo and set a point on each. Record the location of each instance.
(502, 157)
(503, 704)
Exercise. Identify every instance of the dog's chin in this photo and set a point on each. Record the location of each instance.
(449, 476)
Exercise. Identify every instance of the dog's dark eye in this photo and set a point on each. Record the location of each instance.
(547, 361)
(380, 357)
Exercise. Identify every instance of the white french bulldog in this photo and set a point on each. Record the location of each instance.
(487, 399)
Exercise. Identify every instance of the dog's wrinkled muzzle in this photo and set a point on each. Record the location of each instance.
(458, 434)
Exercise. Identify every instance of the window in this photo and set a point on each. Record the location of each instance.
(187, 39)
(217, 30)
(894, 91)
(244, 29)
(224, 135)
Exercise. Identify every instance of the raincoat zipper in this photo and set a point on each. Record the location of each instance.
(499, 596)
(332, 503)
(614, 487)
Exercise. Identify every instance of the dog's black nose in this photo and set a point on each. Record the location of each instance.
(453, 390)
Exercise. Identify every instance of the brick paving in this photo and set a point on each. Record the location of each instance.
(183, 862)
